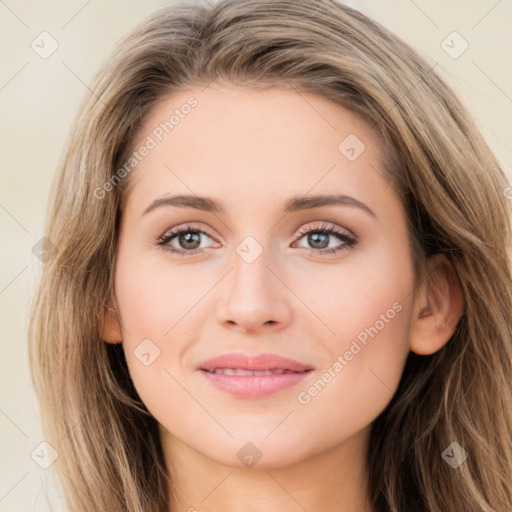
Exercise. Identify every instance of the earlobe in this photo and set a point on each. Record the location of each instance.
(111, 332)
(438, 307)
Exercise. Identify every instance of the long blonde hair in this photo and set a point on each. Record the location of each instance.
(110, 457)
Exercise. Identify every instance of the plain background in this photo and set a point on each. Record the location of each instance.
(39, 98)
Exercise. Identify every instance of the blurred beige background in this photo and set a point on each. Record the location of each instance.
(39, 97)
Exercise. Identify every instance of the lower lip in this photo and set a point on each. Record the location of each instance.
(254, 386)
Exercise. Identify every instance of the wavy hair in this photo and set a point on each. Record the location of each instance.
(453, 188)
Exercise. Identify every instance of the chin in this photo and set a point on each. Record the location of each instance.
(250, 448)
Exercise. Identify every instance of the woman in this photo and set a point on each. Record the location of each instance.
(255, 369)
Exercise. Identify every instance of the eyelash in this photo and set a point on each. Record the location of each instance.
(349, 241)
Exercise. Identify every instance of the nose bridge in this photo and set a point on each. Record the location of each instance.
(251, 267)
(254, 295)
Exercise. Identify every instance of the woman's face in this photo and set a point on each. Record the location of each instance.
(254, 272)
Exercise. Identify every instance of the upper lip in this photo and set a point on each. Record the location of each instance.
(258, 362)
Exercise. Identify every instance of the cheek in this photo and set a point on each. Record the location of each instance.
(372, 288)
(153, 298)
(368, 305)
(157, 305)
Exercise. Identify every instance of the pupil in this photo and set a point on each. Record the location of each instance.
(190, 237)
(315, 238)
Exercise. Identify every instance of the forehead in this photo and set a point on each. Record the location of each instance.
(226, 139)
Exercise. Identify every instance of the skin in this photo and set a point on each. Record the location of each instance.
(252, 151)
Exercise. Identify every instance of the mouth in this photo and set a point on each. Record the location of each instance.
(236, 361)
(246, 373)
(256, 376)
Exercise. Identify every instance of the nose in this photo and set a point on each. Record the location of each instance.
(255, 297)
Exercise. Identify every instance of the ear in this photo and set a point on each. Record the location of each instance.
(111, 331)
(438, 307)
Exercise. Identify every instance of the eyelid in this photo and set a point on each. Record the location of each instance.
(192, 226)
(305, 228)
(324, 225)
(188, 226)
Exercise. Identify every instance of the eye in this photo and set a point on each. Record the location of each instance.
(318, 237)
(188, 240)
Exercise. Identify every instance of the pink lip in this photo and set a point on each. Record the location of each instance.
(254, 386)
(258, 362)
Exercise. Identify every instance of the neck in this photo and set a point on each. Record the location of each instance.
(335, 480)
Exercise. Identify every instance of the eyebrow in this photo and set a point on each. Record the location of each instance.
(294, 204)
